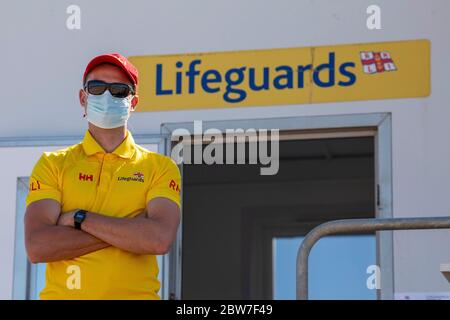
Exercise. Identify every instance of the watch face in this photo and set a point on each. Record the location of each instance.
(79, 216)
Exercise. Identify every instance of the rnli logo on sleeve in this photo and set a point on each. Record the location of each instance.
(136, 176)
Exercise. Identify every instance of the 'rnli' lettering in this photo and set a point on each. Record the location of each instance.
(174, 186)
(35, 186)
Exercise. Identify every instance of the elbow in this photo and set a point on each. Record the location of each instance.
(162, 247)
(34, 255)
(34, 259)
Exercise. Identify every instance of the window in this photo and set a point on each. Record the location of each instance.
(337, 267)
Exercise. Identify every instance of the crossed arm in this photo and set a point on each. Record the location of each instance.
(49, 235)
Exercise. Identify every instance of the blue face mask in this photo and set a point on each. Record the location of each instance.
(106, 111)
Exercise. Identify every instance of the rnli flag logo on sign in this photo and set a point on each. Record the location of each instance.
(376, 62)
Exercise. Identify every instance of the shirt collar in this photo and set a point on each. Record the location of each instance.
(125, 150)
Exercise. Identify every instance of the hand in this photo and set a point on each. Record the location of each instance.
(66, 219)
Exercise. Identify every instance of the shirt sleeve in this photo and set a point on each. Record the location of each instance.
(43, 181)
(166, 182)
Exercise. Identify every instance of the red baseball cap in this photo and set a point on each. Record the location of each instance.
(117, 60)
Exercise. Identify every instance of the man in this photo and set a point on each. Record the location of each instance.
(99, 211)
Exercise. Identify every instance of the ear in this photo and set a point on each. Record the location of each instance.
(83, 98)
(134, 102)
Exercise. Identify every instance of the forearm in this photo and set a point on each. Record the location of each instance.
(54, 243)
(140, 236)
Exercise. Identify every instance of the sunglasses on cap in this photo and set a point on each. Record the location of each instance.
(118, 90)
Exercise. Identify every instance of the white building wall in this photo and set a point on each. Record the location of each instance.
(43, 62)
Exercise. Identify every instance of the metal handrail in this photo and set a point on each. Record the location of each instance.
(349, 226)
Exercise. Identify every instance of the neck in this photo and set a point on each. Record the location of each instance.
(108, 139)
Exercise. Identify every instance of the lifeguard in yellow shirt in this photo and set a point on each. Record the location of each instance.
(100, 211)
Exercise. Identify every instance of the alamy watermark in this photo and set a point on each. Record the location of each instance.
(374, 280)
(73, 281)
(73, 21)
(373, 21)
(209, 147)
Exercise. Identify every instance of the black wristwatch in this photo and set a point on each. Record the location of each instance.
(78, 218)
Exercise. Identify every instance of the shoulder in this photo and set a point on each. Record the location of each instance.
(156, 158)
(58, 157)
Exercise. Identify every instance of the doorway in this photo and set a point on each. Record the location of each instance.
(234, 218)
(240, 230)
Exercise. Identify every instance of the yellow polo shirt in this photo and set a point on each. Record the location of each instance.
(117, 184)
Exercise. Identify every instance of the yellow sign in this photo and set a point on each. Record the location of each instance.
(370, 71)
